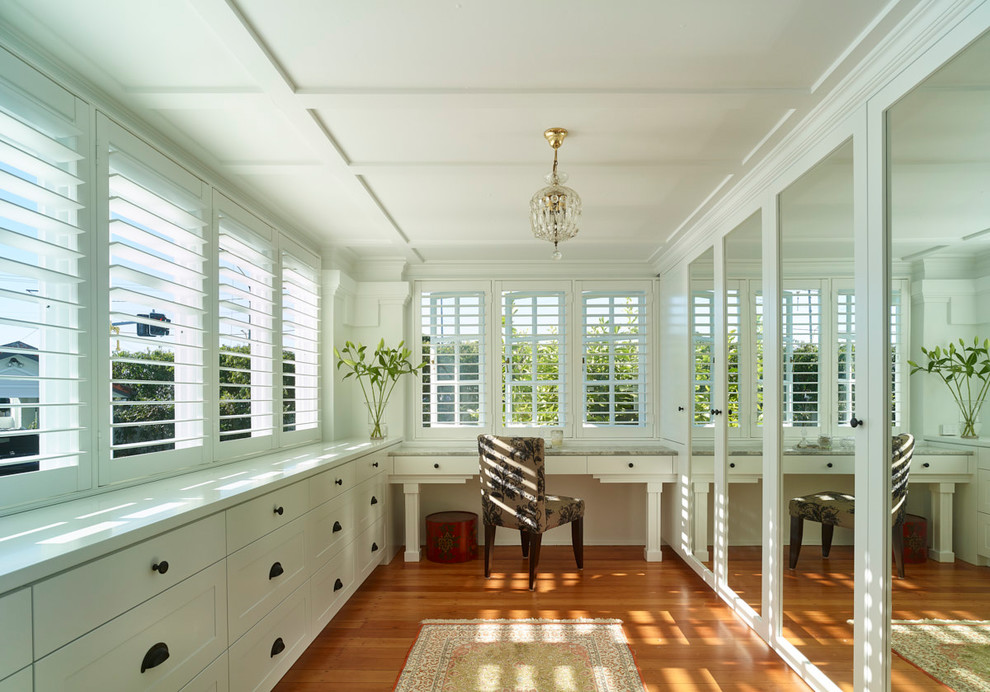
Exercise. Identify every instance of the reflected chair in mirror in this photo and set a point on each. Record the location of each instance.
(513, 496)
(833, 509)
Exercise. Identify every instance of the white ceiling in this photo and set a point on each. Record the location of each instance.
(414, 129)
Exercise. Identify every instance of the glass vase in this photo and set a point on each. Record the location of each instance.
(969, 428)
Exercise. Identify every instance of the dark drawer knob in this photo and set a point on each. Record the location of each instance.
(926, 464)
(374, 500)
(156, 656)
(276, 571)
(337, 527)
(160, 567)
(339, 481)
(278, 646)
(338, 585)
(631, 465)
(732, 464)
(374, 547)
(436, 466)
(375, 464)
(278, 510)
(680, 408)
(829, 464)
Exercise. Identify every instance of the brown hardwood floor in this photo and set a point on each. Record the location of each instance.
(683, 637)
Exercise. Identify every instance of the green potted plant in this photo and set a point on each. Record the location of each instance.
(966, 372)
(377, 376)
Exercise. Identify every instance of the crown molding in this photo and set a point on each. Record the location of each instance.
(529, 269)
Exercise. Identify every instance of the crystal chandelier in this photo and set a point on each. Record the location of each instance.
(555, 209)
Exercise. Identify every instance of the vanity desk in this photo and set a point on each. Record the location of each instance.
(649, 464)
(941, 468)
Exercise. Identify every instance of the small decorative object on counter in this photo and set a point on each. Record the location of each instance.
(966, 372)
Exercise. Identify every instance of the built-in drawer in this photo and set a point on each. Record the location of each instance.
(262, 656)
(161, 644)
(329, 528)
(213, 679)
(369, 549)
(21, 681)
(120, 581)
(251, 520)
(15, 632)
(630, 465)
(566, 464)
(326, 486)
(369, 466)
(745, 465)
(435, 466)
(820, 464)
(937, 465)
(369, 502)
(328, 586)
(261, 574)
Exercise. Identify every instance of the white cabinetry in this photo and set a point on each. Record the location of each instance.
(15, 636)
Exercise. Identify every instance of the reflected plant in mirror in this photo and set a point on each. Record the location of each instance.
(966, 372)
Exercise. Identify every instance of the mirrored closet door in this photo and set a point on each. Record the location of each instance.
(701, 292)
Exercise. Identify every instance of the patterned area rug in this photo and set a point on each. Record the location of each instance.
(520, 656)
(954, 652)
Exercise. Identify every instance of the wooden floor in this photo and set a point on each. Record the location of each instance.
(682, 636)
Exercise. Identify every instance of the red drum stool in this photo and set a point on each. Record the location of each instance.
(915, 530)
(452, 536)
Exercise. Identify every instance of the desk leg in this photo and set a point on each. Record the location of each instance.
(701, 520)
(411, 491)
(941, 550)
(654, 493)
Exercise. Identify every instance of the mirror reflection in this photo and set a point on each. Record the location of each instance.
(938, 139)
(701, 275)
(817, 348)
(744, 408)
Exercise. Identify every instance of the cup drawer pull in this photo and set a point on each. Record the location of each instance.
(337, 527)
(156, 656)
(277, 647)
(338, 585)
(276, 570)
(374, 500)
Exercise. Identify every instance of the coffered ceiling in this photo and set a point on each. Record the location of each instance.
(414, 129)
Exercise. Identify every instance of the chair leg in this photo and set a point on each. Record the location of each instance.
(577, 541)
(489, 544)
(827, 531)
(525, 542)
(534, 558)
(898, 541)
(797, 533)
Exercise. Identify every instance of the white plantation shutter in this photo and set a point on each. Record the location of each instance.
(453, 333)
(702, 350)
(300, 342)
(43, 265)
(801, 342)
(845, 356)
(534, 357)
(156, 286)
(898, 354)
(733, 351)
(246, 294)
(614, 358)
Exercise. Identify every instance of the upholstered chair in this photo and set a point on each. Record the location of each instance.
(513, 496)
(833, 509)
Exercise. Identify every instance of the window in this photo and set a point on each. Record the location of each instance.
(801, 343)
(453, 331)
(702, 343)
(533, 381)
(300, 340)
(614, 358)
(845, 354)
(43, 264)
(156, 238)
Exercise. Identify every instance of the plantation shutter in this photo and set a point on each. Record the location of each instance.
(733, 347)
(43, 264)
(300, 343)
(246, 276)
(801, 342)
(614, 358)
(898, 352)
(702, 343)
(453, 333)
(156, 284)
(534, 384)
(845, 356)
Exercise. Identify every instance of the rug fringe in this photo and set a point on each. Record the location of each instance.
(937, 621)
(573, 621)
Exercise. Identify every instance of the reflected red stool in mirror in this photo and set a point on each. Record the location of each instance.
(915, 530)
(451, 536)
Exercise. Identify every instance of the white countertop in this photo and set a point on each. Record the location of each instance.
(584, 448)
(40, 542)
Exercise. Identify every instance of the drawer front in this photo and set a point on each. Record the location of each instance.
(15, 632)
(251, 520)
(369, 549)
(189, 621)
(260, 575)
(118, 582)
(750, 466)
(939, 465)
(369, 466)
(435, 466)
(328, 586)
(983, 491)
(329, 528)
(828, 465)
(213, 679)
(369, 502)
(22, 681)
(262, 656)
(632, 465)
(563, 465)
(330, 484)
(983, 534)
